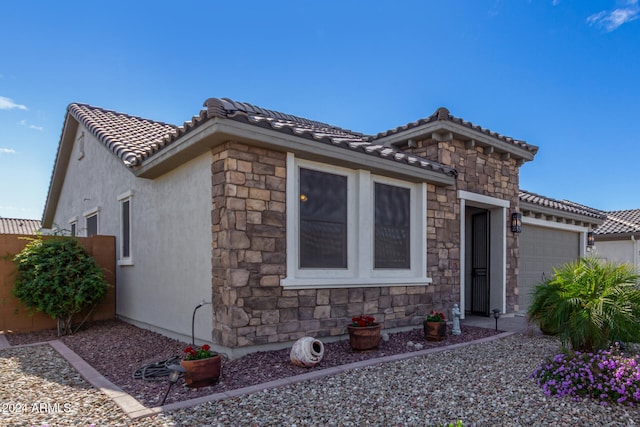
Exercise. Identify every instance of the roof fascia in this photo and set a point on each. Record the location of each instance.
(610, 237)
(543, 210)
(60, 169)
(219, 130)
(461, 132)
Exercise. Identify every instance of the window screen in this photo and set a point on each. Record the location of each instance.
(392, 227)
(323, 220)
(126, 229)
(92, 225)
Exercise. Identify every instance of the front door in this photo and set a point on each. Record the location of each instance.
(480, 263)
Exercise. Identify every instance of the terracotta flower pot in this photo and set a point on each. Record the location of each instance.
(434, 331)
(364, 337)
(202, 372)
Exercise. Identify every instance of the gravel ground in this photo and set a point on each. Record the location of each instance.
(482, 385)
(117, 349)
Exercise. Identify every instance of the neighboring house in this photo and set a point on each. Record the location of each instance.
(291, 226)
(19, 226)
(618, 238)
(554, 232)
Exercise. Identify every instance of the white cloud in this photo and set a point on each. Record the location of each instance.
(26, 124)
(610, 20)
(7, 151)
(8, 104)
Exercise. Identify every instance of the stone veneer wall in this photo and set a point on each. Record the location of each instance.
(488, 174)
(249, 257)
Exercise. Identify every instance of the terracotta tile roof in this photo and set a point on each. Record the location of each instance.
(19, 226)
(317, 131)
(620, 222)
(442, 114)
(561, 205)
(132, 139)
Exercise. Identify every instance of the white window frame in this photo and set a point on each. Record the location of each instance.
(73, 222)
(360, 269)
(95, 211)
(123, 198)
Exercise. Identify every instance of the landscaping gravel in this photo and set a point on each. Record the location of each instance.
(117, 349)
(482, 385)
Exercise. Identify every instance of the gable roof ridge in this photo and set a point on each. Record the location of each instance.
(443, 114)
(225, 107)
(76, 105)
(131, 138)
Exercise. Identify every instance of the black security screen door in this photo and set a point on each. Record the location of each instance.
(480, 263)
(323, 219)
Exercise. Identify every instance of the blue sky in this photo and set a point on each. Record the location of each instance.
(560, 74)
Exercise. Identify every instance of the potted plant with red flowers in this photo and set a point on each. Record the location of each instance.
(202, 366)
(435, 326)
(364, 333)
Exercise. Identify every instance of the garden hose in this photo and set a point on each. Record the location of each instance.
(156, 371)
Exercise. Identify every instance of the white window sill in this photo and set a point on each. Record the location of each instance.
(125, 261)
(318, 283)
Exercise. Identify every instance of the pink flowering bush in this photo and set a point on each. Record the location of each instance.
(607, 375)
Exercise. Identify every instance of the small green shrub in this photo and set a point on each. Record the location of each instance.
(59, 278)
(589, 304)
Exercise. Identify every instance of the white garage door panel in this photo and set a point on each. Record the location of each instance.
(541, 249)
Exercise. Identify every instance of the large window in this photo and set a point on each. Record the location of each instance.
(350, 227)
(392, 226)
(323, 219)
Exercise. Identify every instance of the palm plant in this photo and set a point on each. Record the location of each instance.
(589, 303)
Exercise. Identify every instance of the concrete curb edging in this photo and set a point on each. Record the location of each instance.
(128, 404)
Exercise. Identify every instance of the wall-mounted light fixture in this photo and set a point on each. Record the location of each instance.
(516, 222)
(591, 239)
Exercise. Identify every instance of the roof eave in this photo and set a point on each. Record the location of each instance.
(438, 130)
(219, 130)
(608, 237)
(61, 163)
(526, 207)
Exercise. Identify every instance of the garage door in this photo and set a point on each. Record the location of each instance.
(541, 249)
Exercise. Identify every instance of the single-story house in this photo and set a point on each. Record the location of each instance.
(290, 227)
(19, 226)
(618, 238)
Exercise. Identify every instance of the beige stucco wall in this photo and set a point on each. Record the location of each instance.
(170, 214)
(621, 251)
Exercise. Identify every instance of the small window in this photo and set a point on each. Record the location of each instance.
(74, 229)
(92, 225)
(323, 219)
(392, 226)
(124, 241)
(126, 228)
